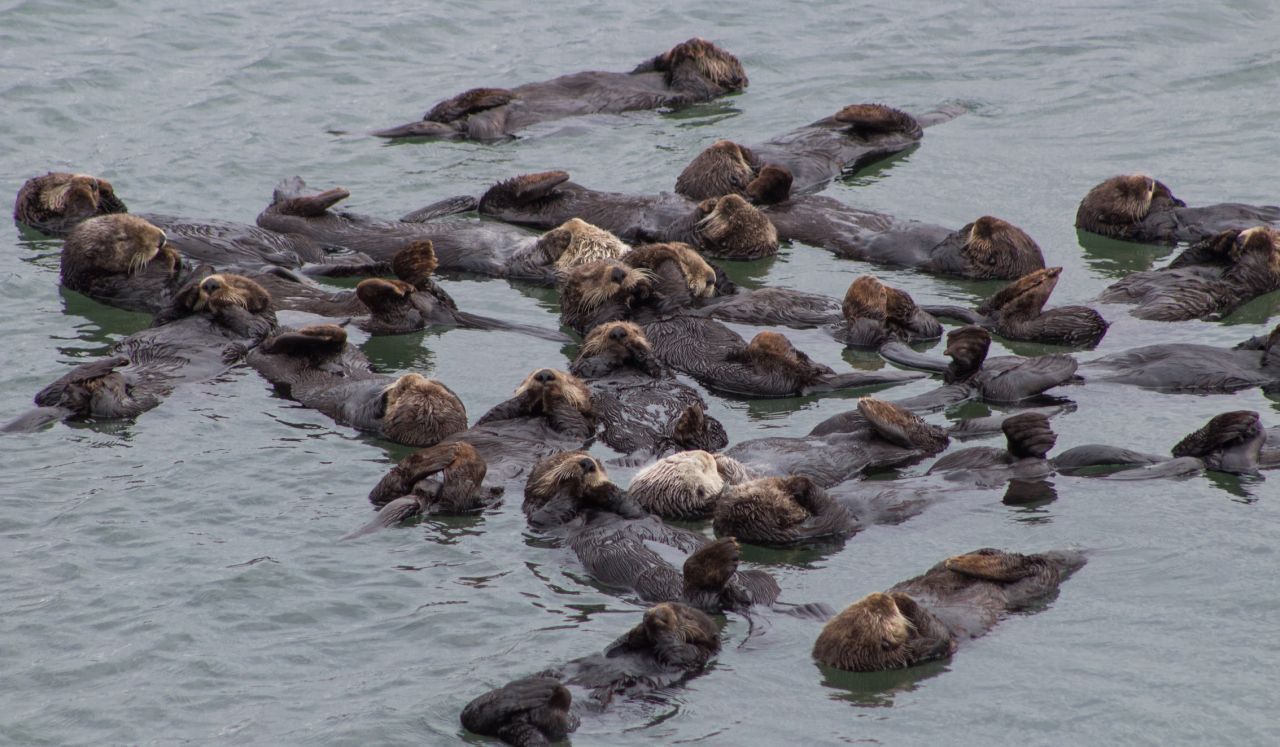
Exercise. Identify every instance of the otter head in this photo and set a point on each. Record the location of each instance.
(418, 411)
(528, 711)
(1117, 206)
(678, 636)
(573, 477)
(868, 121)
(732, 228)
(386, 299)
(1257, 255)
(865, 299)
(772, 352)
(58, 200)
(222, 291)
(1025, 297)
(967, 347)
(602, 291)
(988, 249)
(722, 168)
(901, 427)
(613, 345)
(544, 390)
(681, 486)
(697, 276)
(119, 244)
(882, 631)
(700, 68)
(576, 242)
(771, 186)
(1028, 435)
(1230, 442)
(93, 390)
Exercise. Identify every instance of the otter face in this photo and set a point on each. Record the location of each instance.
(701, 64)
(418, 411)
(577, 474)
(119, 244)
(619, 343)
(1259, 250)
(681, 486)
(223, 291)
(576, 242)
(759, 510)
(993, 249)
(881, 631)
(545, 388)
(732, 228)
(699, 277)
(57, 199)
(1116, 206)
(601, 291)
(1029, 435)
(1024, 297)
(722, 168)
(673, 621)
(869, 120)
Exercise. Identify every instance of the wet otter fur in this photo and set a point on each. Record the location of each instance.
(926, 617)
(685, 485)
(1208, 281)
(691, 72)
(724, 227)
(781, 511)
(671, 644)
(1016, 312)
(57, 202)
(1185, 367)
(641, 406)
(874, 313)
(1136, 207)
(123, 261)
(1230, 442)
(1028, 437)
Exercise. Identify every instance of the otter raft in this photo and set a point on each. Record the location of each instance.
(745, 375)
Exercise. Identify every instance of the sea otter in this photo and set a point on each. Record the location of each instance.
(1185, 367)
(1208, 281)
(57, 202)
(1230, 442)
(317, 367)
(200, 334)
(851, 139)
(441, 479)
(1029, 439)
(671, 644)
(887, 435)
(723, 227)
(552, 411)
(123, 261)
(1017, 312)
(641, 406)
(1135, 207)
(781, 511)
(478, 247)
(689, 73)
(685, 485)
(621, 546)
(926, 617)
(874, 313)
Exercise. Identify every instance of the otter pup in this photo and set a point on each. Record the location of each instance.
(926, 617)
(672, 643)
(123, 261)
(1230, 442)
(725, 227)
(875, 313)
(689, 73)
(1208, 281)
(640, 404)
(781, 511)
(317, 367)
(1135, 207)
(441, 479)
(1017, 312)
(202, 332)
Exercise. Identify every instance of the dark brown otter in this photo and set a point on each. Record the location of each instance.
(690, 72)
(671, 644)
(1230, 442)
(926, 617)
(725, 227)
(1016, 312)
(781, 511)
(202, 332)
(685, 485)
(57, 202)
(1208, 281)
(875, 313)
(640, 404)
(1029, 439)
(441, 479)
(1135, 207)
(123, 261)
(1184, 367)
(317, 367)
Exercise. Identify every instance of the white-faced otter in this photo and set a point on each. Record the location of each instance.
(441, 479)
(317, 367)
(724, 227)
(200, 334)
(123, 261)
(1017, 312)
(874, 313)
(1135, 207)
(479, 247)
(1185, 367)
(685, 485)
(926, 617)
(671, 644)
(1230, 442)
(640, 404)
(690, 72)
(1208, 281)
(57, 202)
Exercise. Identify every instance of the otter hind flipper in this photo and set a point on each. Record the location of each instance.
(865, 120)
(322, 339)
(442, 208)
(968, 316)
(415, 263)
(467, 103)
(992, 565)
(405, 507)
(856, 379)
(60, 392)
(522, 190)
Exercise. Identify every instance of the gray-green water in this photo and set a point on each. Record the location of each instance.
(177, 579)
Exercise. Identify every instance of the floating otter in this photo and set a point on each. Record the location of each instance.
(1135, 207)
(723, 227)
(57, 202)
(201, 333)
(1029, 439)
(1184, 367)
(1208, 281)
(641, 406)
(1231, 442)
(926, 617)
(317, 367)
(887, 435)
(781, 511)
(875, 313)
(671, 644)
(479, 247)
(689, 73)
(1017, 312)
(685, 485)
(123, 261)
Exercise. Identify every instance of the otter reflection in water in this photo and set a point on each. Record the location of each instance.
(690, 72)
(671, 644)
(928, 616)
(1136, 207)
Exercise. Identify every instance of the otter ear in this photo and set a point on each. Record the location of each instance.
(468, 103)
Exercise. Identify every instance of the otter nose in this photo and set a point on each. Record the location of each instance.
(210, 285)
(588, 465)
(618, 333)
(545, 376)
(618, 275)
